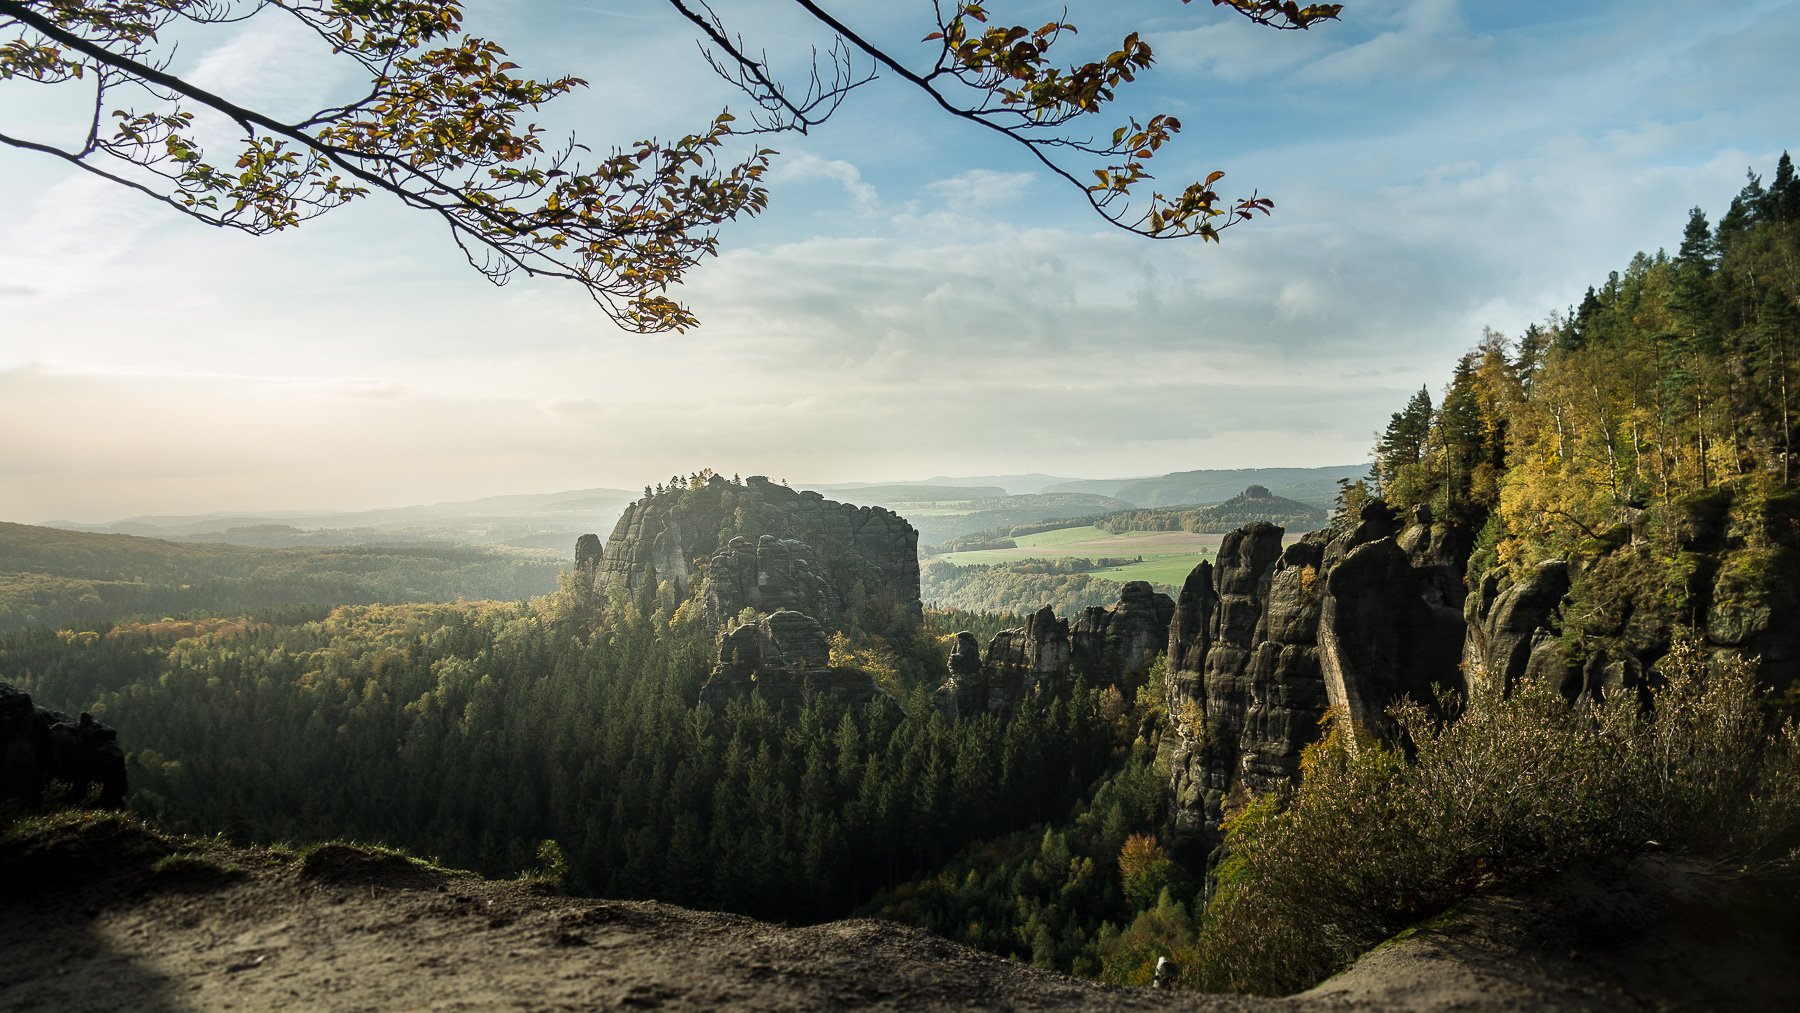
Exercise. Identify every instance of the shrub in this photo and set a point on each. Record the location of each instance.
(1371, 841)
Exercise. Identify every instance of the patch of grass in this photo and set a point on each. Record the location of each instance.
(1060, 536)
(1172, 569)
(195, 869)
(368, 864)
(56, 850)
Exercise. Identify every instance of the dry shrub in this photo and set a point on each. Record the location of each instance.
(1371, 841)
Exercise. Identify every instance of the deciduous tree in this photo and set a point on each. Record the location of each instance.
(440, 127)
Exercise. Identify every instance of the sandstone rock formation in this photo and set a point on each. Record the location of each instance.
(1110, 646)
(1263, 643)
(39, 746)
(780, 658)
(764, 546)
(1513, 631)
(1115, 645)
(1018, 662)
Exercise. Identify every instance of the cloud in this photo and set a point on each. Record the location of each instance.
(76, 231)
(274, 63)
(804, 167)
(982, 188)
(351, 387)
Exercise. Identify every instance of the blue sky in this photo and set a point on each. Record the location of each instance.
(919, 299)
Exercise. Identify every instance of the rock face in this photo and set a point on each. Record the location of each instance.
(39, 745)
(779, 658)
(1018, 662)
(1511, 632)
(1115, 645)
(1108, 646)
(1263, 643)
(767, 547)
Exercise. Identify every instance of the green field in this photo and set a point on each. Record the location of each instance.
(1168, 556)
(1171, 569)
(1061, 536)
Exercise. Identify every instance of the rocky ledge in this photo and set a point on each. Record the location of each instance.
(104, 915)
(40, 748)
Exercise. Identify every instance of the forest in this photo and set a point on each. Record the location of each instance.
(1019, 588)
(1254, 504)
(1647, 434)
(475, 732)
(55, 578)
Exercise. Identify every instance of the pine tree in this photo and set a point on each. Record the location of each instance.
(1783, 201)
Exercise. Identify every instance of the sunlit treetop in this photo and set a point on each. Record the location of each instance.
(439, 127)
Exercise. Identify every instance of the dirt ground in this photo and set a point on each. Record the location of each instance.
(105, 917)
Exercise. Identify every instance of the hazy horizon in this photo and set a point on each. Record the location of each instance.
(919, 299)
(627, 492)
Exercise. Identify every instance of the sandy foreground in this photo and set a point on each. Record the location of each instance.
(88, 922)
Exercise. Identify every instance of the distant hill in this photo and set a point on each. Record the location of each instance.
(901, 494)
(1315, 486)
(537, 520)
(50, 577)
(1255, 503)
(938, 526)
(1010, 485)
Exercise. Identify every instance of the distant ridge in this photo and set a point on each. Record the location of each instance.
(1313, 486)
(1013, 485)
(1254, 504)
(550, 520)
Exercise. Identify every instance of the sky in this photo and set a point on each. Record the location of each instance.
(920, 297)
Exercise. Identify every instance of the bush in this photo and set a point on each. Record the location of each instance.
(1371, 842)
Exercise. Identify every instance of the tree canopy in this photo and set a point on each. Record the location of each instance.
(439, 128)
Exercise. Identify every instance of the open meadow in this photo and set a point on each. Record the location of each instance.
(1167, 556)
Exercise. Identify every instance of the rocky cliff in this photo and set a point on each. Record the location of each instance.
(764, 546)
(1111, 646)
(1263, 642)
(39, 746)
(780, 657)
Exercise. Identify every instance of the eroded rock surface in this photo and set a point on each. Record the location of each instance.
(767, 547)
(1115, 645)
(1244, 687)
(1018, 663)
(1263, 643)
(1513, 631)
(780, 658)
(1112, 646)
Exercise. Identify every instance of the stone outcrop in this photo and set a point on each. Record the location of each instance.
(780, 658)
(1018, 663)
(764, 546)
(769, 574)
(1115, 645)
(1245, 688)
(39, 746)
(1264, 642)
(1111, 646)
(1513, 631)
(588, 555)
